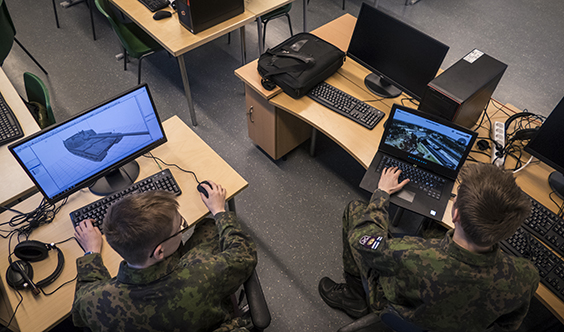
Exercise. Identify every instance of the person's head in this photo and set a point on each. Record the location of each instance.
(135, 225)
(490, 204)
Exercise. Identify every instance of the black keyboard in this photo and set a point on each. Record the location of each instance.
(345, 104)
(155, 5)
(10, 129)
(162, 180)
(429, 183)
(546, 225)
(550, 266)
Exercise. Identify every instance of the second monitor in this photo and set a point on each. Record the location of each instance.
(400, 57)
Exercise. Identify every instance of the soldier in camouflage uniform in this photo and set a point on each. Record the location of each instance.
(163, 284)
(462, 282)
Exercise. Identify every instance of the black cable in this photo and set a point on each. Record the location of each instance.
(172, 165)
(5, 328)
(56, 289)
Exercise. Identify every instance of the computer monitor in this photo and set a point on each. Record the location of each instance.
(400, 57)
(96, 148)
(545, 146)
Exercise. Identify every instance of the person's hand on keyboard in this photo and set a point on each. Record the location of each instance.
(88, 236)
(389, 180)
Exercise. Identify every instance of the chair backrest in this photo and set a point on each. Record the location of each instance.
(125, 36)
(37, 92)
(7, 32)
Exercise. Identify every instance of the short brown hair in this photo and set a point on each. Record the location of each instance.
(136, 224)
(491, 205)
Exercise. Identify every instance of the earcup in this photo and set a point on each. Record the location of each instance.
(14, 276)
(32, 251)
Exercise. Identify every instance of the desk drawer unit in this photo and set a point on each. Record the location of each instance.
(275, 131)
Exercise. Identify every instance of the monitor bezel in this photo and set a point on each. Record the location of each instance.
(111, 168)
(544, 134)
(384, 75)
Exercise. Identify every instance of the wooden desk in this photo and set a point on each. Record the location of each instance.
(183, 148)
(15, 182)
(273, 110)
(177, 40)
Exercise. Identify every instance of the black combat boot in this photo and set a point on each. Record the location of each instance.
(343, 297)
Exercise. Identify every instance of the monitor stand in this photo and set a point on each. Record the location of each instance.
(117, 180)
(556, 182)
(380, 86)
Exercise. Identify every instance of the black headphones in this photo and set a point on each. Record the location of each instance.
(522, 134)
(20, 273)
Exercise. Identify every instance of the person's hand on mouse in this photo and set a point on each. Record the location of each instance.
(389, 180)
(216, 200)
(89, 236)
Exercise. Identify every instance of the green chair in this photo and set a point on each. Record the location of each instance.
(37, 94)
(8, 36)
(135, 42)
(282, 11)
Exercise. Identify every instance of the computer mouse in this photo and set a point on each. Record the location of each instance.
(202, 189)
(161, 14)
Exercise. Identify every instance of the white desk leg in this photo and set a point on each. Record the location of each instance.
(260, 32)
(184, 75)
(243, 46)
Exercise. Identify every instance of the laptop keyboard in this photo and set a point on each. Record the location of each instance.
(429, 183)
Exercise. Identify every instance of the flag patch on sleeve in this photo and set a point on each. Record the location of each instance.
(370, 242)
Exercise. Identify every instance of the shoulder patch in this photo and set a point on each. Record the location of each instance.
(370, 242)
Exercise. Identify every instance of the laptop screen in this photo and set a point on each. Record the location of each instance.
(425, 140)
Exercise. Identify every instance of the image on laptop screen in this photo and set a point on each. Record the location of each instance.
(60, 158)
(427, 141)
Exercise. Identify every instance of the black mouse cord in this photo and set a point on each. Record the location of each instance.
(157, 160)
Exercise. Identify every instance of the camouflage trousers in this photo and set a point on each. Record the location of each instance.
(354, 211)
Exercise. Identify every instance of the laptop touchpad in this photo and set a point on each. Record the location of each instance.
(406, 195)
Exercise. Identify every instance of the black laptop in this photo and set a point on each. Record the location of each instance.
(429, 150)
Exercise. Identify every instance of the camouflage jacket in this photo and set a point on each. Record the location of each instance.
(187, 291)
(436, 283)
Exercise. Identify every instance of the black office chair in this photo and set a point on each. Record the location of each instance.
(388, 320)
(8, 36)
(257, 307)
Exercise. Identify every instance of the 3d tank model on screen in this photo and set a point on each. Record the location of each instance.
(92, 146)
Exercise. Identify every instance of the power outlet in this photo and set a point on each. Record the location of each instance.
(498, 133)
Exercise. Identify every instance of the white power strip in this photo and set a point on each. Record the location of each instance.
(498, 133)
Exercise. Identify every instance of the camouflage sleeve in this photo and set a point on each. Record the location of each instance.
(368, 235)
(89, 268)
(238, 251)
(513, 320)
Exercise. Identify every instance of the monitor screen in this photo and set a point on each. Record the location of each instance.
(545, 146)
(425, 140)
(69, 156)
(400, 57)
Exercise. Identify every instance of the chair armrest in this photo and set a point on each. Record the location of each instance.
(257, 303)
(365, 322)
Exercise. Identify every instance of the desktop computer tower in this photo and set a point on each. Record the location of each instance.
(199, 15)
(463, 91)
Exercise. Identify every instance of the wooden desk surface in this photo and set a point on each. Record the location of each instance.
(261, 7)
(362, 143)
(15, 182)
(176, 39)
(183, 148)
